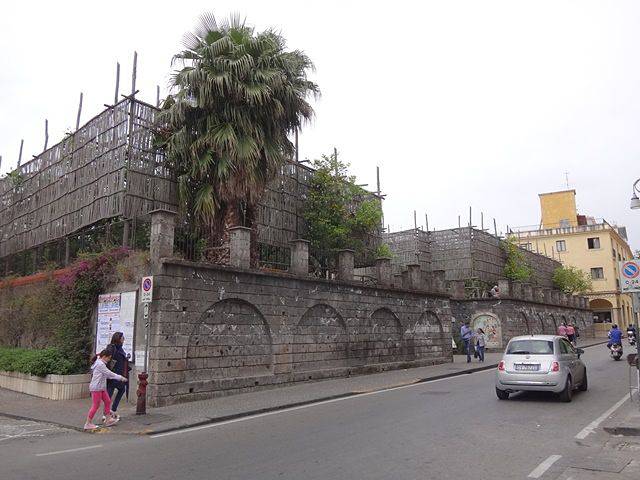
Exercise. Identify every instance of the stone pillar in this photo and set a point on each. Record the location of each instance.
(397, 280)
(538, 294)
(414, 277)
(547, 298)
(439, 278)
(527, 291)
(516, 290)
(383, 271)
(345, 265)
(585, 302)
(457, 289)
(163, 224)
(504, 287)
(126, 233)
(240, 247)
(299, 257)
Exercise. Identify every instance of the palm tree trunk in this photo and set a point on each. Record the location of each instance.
(250, 221)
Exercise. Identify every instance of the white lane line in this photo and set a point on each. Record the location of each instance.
(582, 434)
(301, 407)
(71, 450)
(544, 466)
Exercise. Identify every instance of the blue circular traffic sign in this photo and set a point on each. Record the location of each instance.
(630, 270)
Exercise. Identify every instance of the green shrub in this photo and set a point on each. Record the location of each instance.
(36, 362)
(571, 280)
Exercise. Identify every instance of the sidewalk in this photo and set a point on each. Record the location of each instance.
(71, 413)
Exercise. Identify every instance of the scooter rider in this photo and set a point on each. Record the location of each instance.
(631, 332)
(615, 336)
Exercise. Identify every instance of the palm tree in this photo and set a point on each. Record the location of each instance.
(239, 95)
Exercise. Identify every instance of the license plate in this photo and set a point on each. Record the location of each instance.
(527, 367)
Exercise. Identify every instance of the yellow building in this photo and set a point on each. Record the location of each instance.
(593, 245)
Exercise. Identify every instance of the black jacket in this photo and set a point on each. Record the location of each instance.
(119, 363)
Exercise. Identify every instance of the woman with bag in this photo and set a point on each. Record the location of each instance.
(119, 364)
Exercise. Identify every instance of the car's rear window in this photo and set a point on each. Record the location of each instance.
(530, 347)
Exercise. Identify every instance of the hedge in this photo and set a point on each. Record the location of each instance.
(36, 362)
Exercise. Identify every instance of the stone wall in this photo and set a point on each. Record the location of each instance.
(217, 331)
(514, 317)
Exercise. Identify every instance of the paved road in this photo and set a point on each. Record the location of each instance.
(449, 429)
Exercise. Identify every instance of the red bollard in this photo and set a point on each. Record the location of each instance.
(141, 404)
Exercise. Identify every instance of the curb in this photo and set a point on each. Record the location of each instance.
(623, 431)
(286, 406)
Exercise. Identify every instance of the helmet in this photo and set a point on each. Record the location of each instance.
(614, 326)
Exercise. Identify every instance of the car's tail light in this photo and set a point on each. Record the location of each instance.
(555, 367)
(501, 366)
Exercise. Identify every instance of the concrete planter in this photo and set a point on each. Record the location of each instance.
(53, 387)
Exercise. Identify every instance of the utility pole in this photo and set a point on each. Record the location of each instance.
(79, 113)
(115, 98)
(46, 133)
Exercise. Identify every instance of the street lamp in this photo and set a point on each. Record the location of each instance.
(635, 201)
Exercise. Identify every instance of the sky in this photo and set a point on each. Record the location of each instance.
(461, 103)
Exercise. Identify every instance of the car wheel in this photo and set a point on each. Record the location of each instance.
(501, 394)
(585, 384)
(567, 393)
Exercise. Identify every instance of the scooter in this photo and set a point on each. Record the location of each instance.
(616, 351)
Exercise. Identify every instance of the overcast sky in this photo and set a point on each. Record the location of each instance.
(481, 103)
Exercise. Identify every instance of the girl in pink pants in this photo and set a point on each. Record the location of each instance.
(100, 373)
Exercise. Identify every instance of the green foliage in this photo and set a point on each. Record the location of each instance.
(59, 314)
(240, 94)
(337, 211)
(384, 251)
(36, 362)
(516, 267)
(571, 280)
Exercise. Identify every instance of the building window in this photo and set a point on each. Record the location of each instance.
(561, 246)
(617, 284)
(597, 273)
(614, 253)
(526, 246)
(593, 243)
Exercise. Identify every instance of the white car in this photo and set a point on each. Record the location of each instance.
(546, 363)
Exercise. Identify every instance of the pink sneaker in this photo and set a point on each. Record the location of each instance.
(90, 426)
(111, 421)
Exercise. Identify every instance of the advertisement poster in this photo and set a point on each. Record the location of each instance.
(116, 313)
(492, 329)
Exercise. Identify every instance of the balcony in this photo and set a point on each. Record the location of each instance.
(528, 232)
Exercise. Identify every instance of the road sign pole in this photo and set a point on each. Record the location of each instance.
(146, 295)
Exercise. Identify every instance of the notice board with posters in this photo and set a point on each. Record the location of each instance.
(116, 313)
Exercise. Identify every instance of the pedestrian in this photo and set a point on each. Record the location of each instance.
(571, 334)
(119, 364)
(562, 330)
(481, 343)
(495, 291)
(466, 334)
(98, 388)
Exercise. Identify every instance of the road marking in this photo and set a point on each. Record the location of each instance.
(309, 405)
(582, 434)
(67, 451)
(544, 466)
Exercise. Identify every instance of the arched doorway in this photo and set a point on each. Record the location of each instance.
(602, 310)
(492, 328)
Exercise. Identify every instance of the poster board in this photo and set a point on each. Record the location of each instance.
(116, 313)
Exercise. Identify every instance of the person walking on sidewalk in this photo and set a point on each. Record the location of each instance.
(481, 343)
(119, 364)
(466, 334)
(98, 388)
(571, 334)
(562, 330)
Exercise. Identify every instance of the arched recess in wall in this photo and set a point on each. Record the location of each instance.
(555, 323)
(231, 339)
(378, 339)
(526, 323)
(542, 328)
(427, 337)
(492, 328)
(320, 340)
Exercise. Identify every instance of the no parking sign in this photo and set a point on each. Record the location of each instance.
(630, 276)
(146, 289)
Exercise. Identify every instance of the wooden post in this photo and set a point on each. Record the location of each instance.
(470, 219)
(46, 133)
(426, 221)
(134, 73)
(378, 180)
(20, 154)
(158, 96)
(415, 220)
(459, 221)
(79, 113)
(495, 227)
(115, 98)
(297, 151)
(482, 221)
